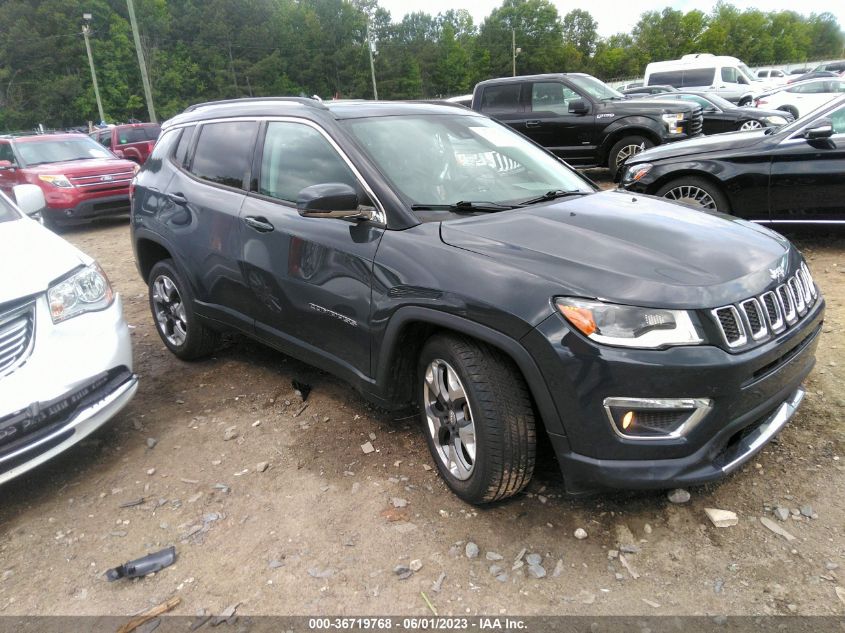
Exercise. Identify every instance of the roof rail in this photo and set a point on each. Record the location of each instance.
(306, 101)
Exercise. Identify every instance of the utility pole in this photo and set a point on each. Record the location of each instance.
(516, 51)
(144, 78)
(372, 65)
(86, 29)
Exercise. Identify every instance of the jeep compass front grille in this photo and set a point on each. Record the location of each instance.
(771, 313)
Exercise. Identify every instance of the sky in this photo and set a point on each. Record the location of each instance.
(613, 16)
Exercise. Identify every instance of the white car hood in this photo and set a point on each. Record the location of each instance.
(32, 257)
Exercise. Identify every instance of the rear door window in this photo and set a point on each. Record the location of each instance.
(698, 77)
(223, 154)
(669, 78)
(501, 98)
(296, 156)
(730, 75)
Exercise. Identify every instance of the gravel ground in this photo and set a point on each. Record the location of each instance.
(290, 516)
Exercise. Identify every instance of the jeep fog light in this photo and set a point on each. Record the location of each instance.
(655, 418)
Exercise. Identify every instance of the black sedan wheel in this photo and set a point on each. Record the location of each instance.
(697, 193)
(477, 418)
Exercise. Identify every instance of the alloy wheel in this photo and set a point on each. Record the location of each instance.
(750, 125)
(627, 151)
(449, 419)
(169, 311)
(691, 196)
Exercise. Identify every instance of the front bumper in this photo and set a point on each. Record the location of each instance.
(754, 394)
(87, 209)
(77, 376)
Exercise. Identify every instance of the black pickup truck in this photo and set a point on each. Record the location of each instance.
(583, 120)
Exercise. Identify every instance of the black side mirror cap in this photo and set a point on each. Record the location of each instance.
(578, 106)
(332, 200)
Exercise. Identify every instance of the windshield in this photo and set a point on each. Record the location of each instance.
(745, 70)
(7, 212)
(36, 152)
(594, 87)
(446, 159)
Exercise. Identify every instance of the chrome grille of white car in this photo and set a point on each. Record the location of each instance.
(759, 318)
(17, 327)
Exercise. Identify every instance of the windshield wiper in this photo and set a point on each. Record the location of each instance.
(554, 194)
(464, 206)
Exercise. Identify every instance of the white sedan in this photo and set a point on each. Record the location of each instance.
(800, 98)
(65, 352)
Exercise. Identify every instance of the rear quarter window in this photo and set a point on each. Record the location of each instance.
(698, 77)
(501, 98)
(223, 153)
(667, 78)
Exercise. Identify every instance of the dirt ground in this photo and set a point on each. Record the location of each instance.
(317, 531)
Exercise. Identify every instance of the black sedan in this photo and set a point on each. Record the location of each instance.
(720, 115)
(792, 174)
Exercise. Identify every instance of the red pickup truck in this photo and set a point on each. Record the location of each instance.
(134, 141)
(81, 180)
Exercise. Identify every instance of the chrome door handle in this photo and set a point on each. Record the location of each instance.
(260, 224)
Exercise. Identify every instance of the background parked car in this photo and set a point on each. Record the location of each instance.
(815, 74)
(837, 66)
(80, 179)
(800, 98)
(648, 90)
(134, 141)
(772, 75)
(795, 174)
(720, 115)
(723, 75)
(583, 120)
(65, 352)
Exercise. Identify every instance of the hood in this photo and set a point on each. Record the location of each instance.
(650, 106)
(631, 249)
(88, 167)
(33, 257)
(700, 144)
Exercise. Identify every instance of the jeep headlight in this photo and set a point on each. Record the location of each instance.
(673, 122)
(88, 290)
(629, 326)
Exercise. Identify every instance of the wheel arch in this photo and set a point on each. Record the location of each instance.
(618, 134)
(410, 327)
(148, 253)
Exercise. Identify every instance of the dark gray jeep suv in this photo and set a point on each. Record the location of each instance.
(430, 255)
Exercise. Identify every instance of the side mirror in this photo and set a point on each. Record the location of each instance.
(29, 198)
(332, 200)
(6, 164)
(822, 131)
(710, 109)
(578, 106)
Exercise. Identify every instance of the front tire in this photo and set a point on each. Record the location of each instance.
(697, 193)
(172, 306)
(477, 418)
(623, 149)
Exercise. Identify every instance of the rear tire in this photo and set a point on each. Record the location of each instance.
(477, 418)
(625, 148)
(697, 193)
(172, 306)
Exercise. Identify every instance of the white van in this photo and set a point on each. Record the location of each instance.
(725, 76)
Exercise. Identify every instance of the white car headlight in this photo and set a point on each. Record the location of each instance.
(629, 326)
(775, 120)
(635, 172)
(88, 290)
(56, 180)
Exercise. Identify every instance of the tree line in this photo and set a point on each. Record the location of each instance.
(198, 50)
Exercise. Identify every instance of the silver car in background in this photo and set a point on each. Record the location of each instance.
(65, 351)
